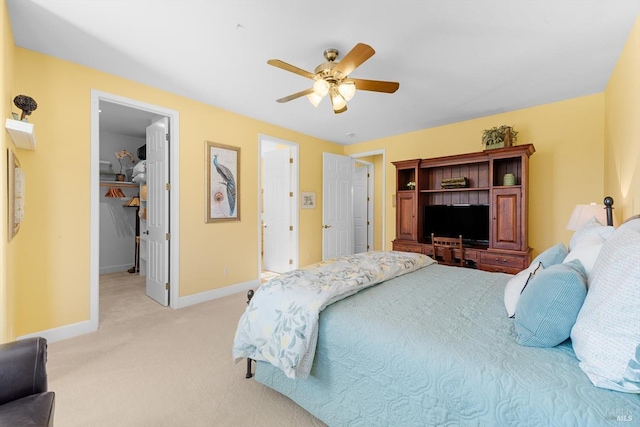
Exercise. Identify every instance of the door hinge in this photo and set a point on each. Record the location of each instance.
(167, 236)
(368, 176)
(290, 193)
(168, 137)
(368, 199)
(290, 262)
(368, 223)
(290, 160)
(166, 286)
(167, 186)
(291, 228)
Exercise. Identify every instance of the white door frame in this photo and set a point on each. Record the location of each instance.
(174, 244)
(370, 201)
(295, 217)
(383, 153)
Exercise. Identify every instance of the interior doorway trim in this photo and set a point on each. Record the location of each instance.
(295, 218)
(174, 197)
(383, 153)
(370, 203)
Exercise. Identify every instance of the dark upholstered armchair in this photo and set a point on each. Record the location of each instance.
(24, 399)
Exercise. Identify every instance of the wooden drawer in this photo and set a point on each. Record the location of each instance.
(502, 260)
(407, 247)
(499, 269)
(471, 254)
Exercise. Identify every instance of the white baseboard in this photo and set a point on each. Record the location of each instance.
(64, 332)
(216, 293)
(81, 328)
(115, 268)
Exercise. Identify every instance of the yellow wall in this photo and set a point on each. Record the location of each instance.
(622, 129)
(51, 264)
(568, 139)
(6, 249)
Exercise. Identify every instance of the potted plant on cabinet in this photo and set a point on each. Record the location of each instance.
(498, 137)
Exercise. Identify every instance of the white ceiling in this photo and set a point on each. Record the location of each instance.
(455, 60)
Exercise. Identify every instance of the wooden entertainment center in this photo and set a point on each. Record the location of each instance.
(507, 249)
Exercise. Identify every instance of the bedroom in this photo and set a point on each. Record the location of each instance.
(596, 133)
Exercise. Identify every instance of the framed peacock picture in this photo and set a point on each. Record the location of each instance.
(223, 182)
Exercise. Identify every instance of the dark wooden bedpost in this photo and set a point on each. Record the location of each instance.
(249, 374)
(608, 203)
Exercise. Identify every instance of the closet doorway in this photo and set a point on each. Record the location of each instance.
(278, 243)
(118, 124)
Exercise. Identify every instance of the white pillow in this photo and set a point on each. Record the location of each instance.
(140, 167)
(586, 251)
(516, 285)
(591, 228)
(606, 336)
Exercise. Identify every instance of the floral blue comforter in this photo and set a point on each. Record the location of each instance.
(280, 324)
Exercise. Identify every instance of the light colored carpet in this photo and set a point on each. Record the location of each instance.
(148, 365)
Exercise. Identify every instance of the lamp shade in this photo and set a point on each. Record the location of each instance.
(583, 213)
(320, 87)
(337, 101)
(347, 89)
(314, 99)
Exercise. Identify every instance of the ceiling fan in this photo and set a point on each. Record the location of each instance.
(332, 78)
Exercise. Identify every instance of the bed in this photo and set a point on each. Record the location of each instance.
(436, 347)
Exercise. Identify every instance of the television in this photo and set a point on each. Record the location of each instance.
(472, 221)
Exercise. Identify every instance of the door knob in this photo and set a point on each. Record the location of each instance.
(145, 232)
(326, 226)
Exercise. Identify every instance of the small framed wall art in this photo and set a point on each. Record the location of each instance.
(308, 200)
(223, 182)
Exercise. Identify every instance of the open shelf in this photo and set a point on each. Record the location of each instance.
(22, 134)
(453, 190)
(123, 184)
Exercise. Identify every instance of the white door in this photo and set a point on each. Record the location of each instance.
(360, 211)
(158, 211)
(337, 205)
(277, 211)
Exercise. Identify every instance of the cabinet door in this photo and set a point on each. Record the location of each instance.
(506, 224)
(405, 216)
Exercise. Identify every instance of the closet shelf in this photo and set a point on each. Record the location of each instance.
(122, 184)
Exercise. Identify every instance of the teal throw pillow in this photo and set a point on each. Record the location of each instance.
(549, 305)
(552, 256)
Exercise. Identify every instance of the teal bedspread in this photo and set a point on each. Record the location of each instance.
(435, 348)
(280, 325)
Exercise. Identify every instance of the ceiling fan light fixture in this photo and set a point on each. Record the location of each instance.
(337, 101)
(332, 78)
(347, 89)
(321, 87)
(314, 99)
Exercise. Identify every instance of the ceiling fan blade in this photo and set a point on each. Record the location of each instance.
(291, 68)
(295, 95)
(376, 85)
(352, 60)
